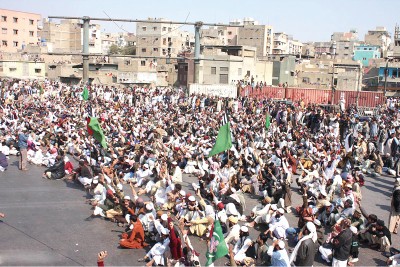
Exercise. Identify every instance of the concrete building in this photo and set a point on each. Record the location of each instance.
(364, 53)
(227, 65)
(18, 29)
(322, 48)
(281, 44)
(160, 39)
(22, 69)
(119, 39)
(284, 69)
(321, 72)
(259, 36)
(295, 47)
(379, 37)
(66, 36)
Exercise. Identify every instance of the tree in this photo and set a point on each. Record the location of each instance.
(114, 49)
(129, 50)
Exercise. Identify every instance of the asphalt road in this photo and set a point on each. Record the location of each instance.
(48, 222)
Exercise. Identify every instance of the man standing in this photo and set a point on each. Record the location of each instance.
(394, 221)
(23, 145)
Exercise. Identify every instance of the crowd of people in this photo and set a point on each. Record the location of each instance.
(156, 137)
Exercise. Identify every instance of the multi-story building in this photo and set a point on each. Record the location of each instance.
(281, 44)
(233, 63)
(322, 48)
(364, 53)
(18, 29)
(160, 39)
(22, 69)
(379, 37)
(295, 47)
(259, 36)
(67, 36)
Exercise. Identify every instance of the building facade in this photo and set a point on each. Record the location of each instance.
(379, 37)
(259, 36)
(364, 53)
(18, 29)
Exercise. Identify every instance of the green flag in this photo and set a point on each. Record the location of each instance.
(98, 134)
(224, 140)
(267, 121)
(217, 247)
(41, 89)
(85, 93)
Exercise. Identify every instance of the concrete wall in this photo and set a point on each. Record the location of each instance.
(23, 69)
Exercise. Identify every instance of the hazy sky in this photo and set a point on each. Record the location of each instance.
(306, 20)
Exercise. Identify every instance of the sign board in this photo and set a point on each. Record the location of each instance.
(222, 90)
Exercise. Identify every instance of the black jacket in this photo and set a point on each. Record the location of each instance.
(396, 200)
(306, 253)
(57, 170)
(342, 244)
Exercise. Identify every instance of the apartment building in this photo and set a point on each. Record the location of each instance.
(18, 29)
(259, 36)
(379, 37)
(66, 36)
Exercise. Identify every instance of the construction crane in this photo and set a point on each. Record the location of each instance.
(85, 49)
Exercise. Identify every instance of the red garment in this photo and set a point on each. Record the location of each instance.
(68, 167)
(100, 263)
(136, 239)
(90, 131)
(175, 245)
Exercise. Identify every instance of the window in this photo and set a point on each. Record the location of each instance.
(15, 44)
(4, 43)
(38, 70)
(31, 33)
(229, 33)
(169, 29)
(164, 41)
(31, 22)
(3, 18)
(224, 69)
(364, 58)
(239, 71)
(154, 28)
(143, 63)
(13, 69)
(143, 50)
(155, 49)
(144, 29)
(15, 32)
(164, 29)
(223, 78)
(213, 70)
(15, 20)
(4, 30)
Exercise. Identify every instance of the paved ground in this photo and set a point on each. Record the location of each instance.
(48, 222)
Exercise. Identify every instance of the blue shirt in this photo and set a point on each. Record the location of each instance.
(22, 141)
(278, 257)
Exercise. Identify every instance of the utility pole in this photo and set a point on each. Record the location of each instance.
(333, 84)
(197, 25)
(386, 74)
(85, 50)
(197, 28)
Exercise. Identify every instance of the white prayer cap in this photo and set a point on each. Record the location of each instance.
(119, 186)
(95, 181)
(353, 229)
(146, 166)
(182, 193)
(281, 210)
(127, 198)
(274, 207)
(149, 206)
(281, 244)
(311, 227)
(165, 231)
(164, 217)
(191, 198)
(244, 229)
